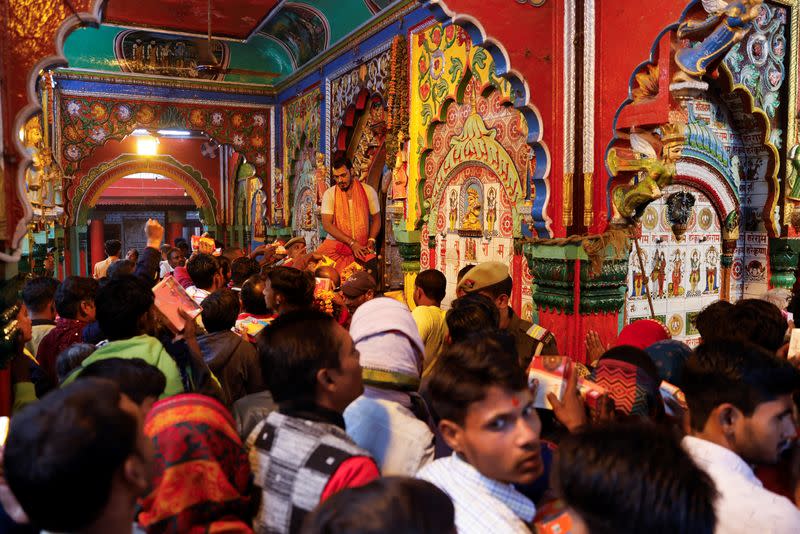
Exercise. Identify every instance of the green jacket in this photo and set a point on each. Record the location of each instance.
(145, 347)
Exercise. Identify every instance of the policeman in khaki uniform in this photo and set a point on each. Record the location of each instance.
(492, 280)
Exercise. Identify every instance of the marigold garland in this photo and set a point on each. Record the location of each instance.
(397, 99)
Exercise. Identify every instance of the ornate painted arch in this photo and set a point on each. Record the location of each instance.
(539, 168)
(92, 185)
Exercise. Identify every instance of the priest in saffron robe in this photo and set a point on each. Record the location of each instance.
(351, 216)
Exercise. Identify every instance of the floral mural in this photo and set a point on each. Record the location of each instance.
(87, 122)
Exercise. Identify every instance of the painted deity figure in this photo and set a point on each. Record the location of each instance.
(639, 279)
(675, 289)
(694, 273)
(662, 272)
(711, 270)
(453, 210)
(472, 215)
(321, 177)
(655, 272)
(655, 171)
(725, 24)
(400, 172)
(491, 209)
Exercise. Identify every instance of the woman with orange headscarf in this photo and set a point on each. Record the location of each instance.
(202, 476)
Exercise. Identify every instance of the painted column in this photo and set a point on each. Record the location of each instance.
(574, 293)
(783, 258)
(175, 221)
(96, 241)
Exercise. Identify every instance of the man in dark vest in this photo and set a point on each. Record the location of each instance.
(492, 279)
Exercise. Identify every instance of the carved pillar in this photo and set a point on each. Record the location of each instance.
(783, 257)
(726, 261)
(571, 298)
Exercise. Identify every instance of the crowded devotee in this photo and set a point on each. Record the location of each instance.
(75, 305)
(204, 270)
(493, 280)
(301, 454)
(323, 267)
(112, 248)
(430, 288)
(390, 419)
(39, 295)
(358, 289)
(741, 413)
(230, 357)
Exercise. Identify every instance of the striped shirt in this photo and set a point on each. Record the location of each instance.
(482, 504)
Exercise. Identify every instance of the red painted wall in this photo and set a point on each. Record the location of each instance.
(640, 23)
(186, 151)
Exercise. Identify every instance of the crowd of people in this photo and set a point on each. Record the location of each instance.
(304, 401)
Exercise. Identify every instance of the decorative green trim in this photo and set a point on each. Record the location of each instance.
(783, 257)
(554, 277)
(278, 231)
(605, 292)
(380, 377)
(410, 253)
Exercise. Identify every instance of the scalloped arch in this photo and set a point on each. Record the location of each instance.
(33, 107)
(533, 118)
(100, 178)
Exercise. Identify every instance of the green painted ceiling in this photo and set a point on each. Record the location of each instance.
(291, 36)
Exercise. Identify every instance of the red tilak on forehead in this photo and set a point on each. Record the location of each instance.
(515, 401)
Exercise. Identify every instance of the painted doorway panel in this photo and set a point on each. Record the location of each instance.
(682, 276)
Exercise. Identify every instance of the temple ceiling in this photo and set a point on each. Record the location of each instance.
(253, 41)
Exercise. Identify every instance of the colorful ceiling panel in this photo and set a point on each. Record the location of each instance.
(308, 28)
(167, 37)
(109, 48)
(233, 19)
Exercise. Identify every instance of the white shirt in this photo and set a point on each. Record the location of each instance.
(483, 505)
(164, 268)
(743, 505)
(400, 443)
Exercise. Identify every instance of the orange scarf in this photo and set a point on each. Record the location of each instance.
(355, 224)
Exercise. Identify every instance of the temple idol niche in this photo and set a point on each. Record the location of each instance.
(476, 188)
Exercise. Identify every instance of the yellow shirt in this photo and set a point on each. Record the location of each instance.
(433, 331)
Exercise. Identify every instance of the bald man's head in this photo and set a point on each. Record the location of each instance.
(326, 271)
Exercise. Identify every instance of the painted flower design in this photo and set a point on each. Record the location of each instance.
(124, 113)
(238, 140)
(146, 114)
(98, 134)
(437, 64)
(421, 39)
(259, 120)
(73, 107)
(99, 111)
(260, 160)
(72, 133)
(424, 91)
(197, 118)
(423, 64)
(73, 152)
(450, 32)
(257, 141)
(436, 36)
(237, 120)
(216, 118)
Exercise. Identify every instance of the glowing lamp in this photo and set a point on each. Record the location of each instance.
(147, 146)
